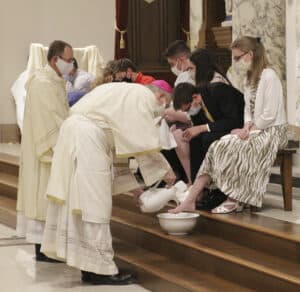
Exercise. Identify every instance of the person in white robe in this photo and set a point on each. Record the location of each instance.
(115, 121)
(45, 109)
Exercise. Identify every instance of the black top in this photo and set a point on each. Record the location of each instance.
(225, 104)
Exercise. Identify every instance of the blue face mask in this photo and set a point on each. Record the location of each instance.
(194, 110)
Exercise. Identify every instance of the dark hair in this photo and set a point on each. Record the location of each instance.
(124, 64)
(75, 63)
(56, 48)
(176, 48)
(205, 67)
(183, 94)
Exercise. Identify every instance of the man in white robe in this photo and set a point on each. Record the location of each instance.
(113, 122)
(45, 109)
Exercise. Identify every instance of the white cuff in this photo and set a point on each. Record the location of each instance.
(208, 129)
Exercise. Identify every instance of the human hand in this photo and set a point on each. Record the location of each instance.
(241, 133)
(192, 132)
(170, 115)
(235, 131)
(169, 178)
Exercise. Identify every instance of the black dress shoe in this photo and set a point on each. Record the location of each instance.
(214, 199)
(41, 257)
(122, 278)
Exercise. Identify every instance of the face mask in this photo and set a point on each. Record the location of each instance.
(64, 67)
(194, 110)
(242, 65)
(175, 70)
(192, 74)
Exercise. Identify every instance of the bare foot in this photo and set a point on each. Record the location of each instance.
(183, 207)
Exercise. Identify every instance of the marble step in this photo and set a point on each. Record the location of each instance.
(208, 253)
(9, 163)
(8, 213)
(246, 229)
(162, 273)
(8, 185)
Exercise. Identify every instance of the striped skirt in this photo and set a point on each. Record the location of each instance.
(241, 168)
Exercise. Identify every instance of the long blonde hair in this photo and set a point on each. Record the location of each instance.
(260, 60)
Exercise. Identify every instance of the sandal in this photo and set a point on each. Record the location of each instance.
(227, 207)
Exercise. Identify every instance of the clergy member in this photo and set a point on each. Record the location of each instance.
(45, 109)
(113, 122)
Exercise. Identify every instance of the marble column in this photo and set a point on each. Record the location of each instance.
(293, 66)
(196, 18)
(298, 62)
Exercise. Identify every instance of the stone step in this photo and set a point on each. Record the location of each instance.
(162, 273)
(8, 213)
(8, 185)
(208, 253)
(246, 229)
(9, 164)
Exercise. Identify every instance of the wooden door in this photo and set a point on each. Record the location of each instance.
(151, 28)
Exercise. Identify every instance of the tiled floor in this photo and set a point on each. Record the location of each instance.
(273, 207)
(21, 273)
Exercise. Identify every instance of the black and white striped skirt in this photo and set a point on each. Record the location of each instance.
(241, 168)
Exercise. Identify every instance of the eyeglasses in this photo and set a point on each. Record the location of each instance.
(237, 58)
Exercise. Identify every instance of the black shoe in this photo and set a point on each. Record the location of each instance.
(214, 199)
(41, 257)
(123, 278)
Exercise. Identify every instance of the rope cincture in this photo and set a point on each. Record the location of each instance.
(122, 44)
(188, 37)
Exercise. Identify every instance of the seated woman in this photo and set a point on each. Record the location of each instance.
(240, 164)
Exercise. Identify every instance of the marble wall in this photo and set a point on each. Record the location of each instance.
(265, 19)
(298, 62)
(196, 18)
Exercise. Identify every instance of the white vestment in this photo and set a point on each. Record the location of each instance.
(115, 121)
(45, 109)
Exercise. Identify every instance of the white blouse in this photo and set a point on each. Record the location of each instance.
(269, 109)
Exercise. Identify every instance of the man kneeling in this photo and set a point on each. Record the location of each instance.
(114, 121)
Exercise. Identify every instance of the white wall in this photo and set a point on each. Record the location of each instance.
(79, 22)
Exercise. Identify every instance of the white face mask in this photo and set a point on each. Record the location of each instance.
(64, 67)
(175, 70)
(243, 66)
(194, 110)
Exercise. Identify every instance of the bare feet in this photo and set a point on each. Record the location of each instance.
(185, 206)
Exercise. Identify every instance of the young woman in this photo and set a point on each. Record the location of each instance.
(240, 164)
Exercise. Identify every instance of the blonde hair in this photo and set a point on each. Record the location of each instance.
(108, 74)
(260, 60)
